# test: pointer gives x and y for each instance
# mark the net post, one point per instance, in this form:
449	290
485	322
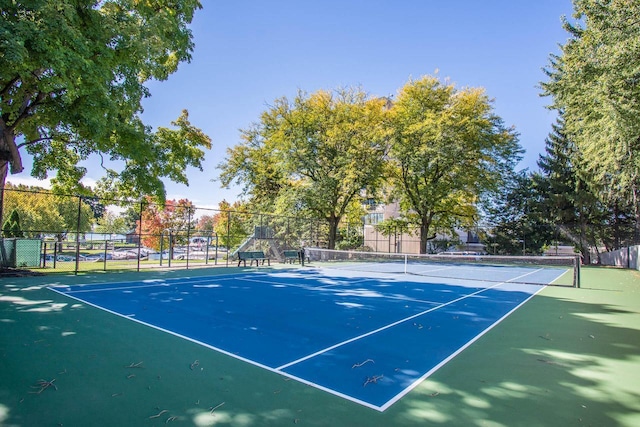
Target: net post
406	261
576	271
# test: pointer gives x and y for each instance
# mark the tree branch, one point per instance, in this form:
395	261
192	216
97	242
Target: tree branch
8	86
34	141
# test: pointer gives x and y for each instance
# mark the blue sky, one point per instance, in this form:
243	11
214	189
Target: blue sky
249	52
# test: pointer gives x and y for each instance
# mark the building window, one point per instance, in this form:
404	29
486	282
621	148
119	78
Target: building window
373	218
370	204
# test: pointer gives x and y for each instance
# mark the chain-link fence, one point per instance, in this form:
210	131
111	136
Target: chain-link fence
77	233
43	230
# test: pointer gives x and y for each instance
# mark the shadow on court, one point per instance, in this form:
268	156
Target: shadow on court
567	357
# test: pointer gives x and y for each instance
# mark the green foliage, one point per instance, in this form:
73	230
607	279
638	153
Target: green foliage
43	212
566	202
436	150
72	77
11	227
111	223
448	149
594	82
231	224
318	152
350	238
516	221
578	213
393	226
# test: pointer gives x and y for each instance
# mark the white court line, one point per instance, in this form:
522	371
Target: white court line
225	352
559	276
452	355
302	380
375	331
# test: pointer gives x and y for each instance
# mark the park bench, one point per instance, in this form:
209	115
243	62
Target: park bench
256	256
291	256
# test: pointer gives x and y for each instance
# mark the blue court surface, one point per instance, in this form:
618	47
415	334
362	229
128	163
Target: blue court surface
364	338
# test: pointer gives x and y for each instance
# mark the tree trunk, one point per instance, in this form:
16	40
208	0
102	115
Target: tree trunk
636	206
4	165
59	242
9	156
584	244
333	231
424	234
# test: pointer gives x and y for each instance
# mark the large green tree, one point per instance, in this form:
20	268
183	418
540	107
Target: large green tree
319	152
11	227
43	212
515	218
111	223
448	149
231	224
72	77
594	81
566	201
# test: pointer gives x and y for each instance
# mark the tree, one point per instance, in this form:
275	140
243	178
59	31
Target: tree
393	227
77	215
11	227
43	212
594	82
207	223
516	223
110	223
448	149
566	201
174	218
96	206
72	77
230	227
320	153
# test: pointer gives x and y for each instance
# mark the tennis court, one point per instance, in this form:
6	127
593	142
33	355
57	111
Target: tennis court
366	337
569	356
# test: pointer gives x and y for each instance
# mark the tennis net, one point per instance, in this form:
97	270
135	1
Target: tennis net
541	270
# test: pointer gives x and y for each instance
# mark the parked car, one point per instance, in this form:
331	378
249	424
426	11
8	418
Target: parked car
97	257
124	254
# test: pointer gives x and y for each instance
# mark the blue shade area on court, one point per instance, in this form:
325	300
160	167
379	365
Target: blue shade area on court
367	339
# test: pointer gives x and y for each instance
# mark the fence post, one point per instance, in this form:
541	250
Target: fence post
140	232
161	245
206	251
215	260
170	246
106	249
188	233
228	236
78	235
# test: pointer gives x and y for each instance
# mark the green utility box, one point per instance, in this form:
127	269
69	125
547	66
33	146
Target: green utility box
17	252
